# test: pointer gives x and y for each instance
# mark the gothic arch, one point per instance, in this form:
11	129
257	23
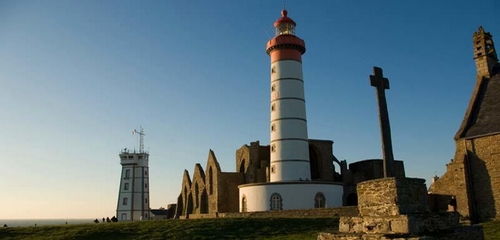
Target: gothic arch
198	187
186	194
212	173
242	166
211	180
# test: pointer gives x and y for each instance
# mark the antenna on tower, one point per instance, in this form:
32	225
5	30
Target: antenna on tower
141	138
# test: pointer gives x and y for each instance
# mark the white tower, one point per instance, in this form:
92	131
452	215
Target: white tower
290	185
133	197
289	141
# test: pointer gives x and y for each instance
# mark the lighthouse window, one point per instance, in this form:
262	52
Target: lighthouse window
244	204
276	202
145	200
125	201
146	185
127	173
285	28
273	107
125	187
273	127
273	70
145	173
273	88
273	148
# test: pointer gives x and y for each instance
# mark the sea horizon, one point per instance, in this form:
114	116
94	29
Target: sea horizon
45	222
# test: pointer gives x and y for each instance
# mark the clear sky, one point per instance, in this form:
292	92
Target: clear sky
76	77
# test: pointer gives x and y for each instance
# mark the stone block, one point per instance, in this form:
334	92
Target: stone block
403	224
392	197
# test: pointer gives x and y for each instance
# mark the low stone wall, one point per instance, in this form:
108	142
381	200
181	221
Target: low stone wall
307	213
461	233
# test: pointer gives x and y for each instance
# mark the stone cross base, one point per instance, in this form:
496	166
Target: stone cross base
392	197
396	208
415	223
460	233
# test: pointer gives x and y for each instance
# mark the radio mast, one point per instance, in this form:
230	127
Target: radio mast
141	138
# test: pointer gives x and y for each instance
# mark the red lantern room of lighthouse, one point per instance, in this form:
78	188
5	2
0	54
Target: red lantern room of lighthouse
290	46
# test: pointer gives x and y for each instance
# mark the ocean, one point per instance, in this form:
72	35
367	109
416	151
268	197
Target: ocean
42	222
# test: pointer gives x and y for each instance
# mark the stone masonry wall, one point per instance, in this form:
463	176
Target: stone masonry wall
307	213
228	192
484	157
392	196
452	183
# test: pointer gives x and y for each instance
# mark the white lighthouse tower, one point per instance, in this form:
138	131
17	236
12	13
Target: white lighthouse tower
289	142
133	197
290	185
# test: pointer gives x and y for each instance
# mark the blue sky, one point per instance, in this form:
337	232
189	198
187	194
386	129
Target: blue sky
77	77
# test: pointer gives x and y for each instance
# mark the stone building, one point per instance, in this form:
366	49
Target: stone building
473	175
214	191
211	191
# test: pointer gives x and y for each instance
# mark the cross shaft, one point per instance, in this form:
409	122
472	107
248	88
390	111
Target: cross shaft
378	81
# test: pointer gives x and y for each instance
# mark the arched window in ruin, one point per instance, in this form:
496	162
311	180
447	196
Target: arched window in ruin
276	202
210	180
196	194
244	204
242	166
204	202
319	200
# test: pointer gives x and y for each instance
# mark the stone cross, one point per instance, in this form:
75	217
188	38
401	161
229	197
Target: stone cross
378	81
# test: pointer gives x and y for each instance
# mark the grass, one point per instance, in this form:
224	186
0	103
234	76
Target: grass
230	228
491	230
235	228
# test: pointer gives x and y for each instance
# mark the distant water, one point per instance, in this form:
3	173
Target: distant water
42	222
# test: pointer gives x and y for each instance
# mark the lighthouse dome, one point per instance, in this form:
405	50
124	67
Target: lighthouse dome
284	19
284	25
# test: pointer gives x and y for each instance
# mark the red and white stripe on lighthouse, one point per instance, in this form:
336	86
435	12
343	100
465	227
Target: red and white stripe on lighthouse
289	141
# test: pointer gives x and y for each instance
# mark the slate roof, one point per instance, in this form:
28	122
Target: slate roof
483	114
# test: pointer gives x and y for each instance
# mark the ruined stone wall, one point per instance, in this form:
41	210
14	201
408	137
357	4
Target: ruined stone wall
211	182
198	191
324	154
306	213
452	183
228	192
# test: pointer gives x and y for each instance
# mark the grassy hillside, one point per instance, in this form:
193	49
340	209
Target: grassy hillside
236	228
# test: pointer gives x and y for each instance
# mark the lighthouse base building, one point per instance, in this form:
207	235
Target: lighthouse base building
289	195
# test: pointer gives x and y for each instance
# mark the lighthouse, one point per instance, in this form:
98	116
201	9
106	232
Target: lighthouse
289	142
133	194
290	185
